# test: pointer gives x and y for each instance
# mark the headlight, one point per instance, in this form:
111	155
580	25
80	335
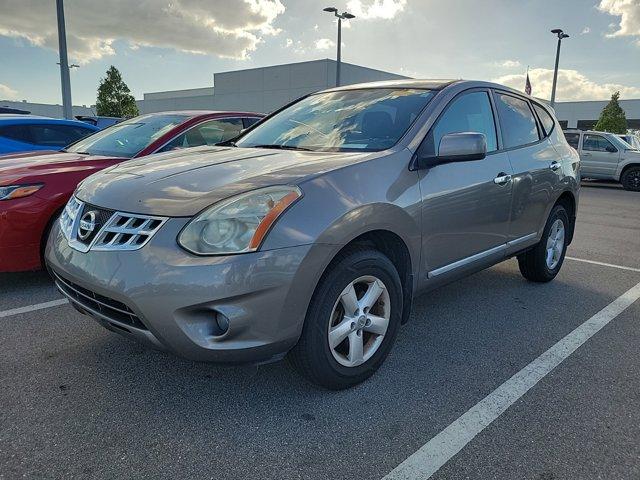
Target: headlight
237	224
17	191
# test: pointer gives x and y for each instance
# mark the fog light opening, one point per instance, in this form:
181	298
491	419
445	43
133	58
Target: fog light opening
222	324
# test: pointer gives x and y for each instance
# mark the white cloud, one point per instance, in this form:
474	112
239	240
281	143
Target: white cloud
572	85
325	44
585	31
197	26
288	42
373	9
629	13
7	93
510	64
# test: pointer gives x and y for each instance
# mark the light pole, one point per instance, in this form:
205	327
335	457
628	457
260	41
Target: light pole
560	35
341	16
64	62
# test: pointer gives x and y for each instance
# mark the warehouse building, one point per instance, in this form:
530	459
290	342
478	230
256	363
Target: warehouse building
262	89
584	115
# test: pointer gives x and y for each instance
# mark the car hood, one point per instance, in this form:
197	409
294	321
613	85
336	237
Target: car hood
23	166
182	183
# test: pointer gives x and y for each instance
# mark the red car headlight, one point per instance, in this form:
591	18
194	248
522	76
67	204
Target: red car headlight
10	192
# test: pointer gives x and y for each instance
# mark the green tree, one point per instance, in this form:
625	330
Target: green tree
114	97
613	118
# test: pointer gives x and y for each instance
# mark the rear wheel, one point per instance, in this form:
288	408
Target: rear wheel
631	179
352	321
543	262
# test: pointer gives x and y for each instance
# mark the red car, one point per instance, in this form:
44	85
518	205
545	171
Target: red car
35	186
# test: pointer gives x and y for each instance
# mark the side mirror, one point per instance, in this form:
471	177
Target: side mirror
455	147
611	149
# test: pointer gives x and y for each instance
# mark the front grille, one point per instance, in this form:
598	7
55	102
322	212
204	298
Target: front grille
93	302
88	227
102	216
127	231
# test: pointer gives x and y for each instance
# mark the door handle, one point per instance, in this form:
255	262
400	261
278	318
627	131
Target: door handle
586	154
555	166
502	179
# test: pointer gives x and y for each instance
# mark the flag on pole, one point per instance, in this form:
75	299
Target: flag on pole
527	84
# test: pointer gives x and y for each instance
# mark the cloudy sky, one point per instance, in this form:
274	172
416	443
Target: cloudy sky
175	44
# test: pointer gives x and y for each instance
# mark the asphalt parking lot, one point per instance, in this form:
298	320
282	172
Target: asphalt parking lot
80	402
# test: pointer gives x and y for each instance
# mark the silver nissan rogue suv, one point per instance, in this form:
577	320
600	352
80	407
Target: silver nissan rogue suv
310	234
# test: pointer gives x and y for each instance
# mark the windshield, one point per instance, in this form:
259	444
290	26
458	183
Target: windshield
128	138
346	120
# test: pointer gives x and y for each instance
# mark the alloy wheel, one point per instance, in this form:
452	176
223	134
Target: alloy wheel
555	244
359	321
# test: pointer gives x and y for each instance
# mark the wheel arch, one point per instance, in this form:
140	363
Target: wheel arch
568	200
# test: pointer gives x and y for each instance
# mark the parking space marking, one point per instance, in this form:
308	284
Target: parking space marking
440	449
603	264
31	308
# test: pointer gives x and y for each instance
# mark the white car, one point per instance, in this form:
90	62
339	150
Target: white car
632	140
605	156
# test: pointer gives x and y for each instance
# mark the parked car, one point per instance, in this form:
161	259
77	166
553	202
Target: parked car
312	232
632	140
99	121
22	133
605	156
34	187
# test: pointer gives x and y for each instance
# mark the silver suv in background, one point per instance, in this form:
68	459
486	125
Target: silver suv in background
310	234
605	156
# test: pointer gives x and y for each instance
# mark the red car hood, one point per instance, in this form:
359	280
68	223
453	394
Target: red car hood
26	166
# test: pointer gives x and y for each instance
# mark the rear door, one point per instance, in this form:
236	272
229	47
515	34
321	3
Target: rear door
535	165
599	157
465	205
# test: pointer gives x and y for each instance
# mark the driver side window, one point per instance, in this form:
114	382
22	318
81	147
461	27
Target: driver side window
597	143
469	113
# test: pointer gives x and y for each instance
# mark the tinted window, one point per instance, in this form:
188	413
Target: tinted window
57	135
468	113
368	119
128	138
545	119
597	143
248	121
572	139
207	133
516	121
19	133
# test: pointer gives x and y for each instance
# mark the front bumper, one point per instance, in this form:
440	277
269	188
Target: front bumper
169	299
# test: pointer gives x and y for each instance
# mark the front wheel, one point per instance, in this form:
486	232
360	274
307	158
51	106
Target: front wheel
542	263
352	321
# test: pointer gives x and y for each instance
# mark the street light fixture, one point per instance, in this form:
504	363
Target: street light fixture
340	16
561	35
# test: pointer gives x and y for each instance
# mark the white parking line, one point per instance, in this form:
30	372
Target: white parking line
602	264
441	448
31	308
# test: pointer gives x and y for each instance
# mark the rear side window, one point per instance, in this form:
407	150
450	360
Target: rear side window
597	143
207	133
545	119
573	139
19	133
248	121
517	122
57	135
468	113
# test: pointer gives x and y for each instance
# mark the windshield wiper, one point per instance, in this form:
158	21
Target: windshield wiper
283	147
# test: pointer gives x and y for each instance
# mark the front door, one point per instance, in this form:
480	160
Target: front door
465	205
599	157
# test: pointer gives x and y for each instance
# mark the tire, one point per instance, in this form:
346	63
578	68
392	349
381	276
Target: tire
534	264
313	356
631	179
